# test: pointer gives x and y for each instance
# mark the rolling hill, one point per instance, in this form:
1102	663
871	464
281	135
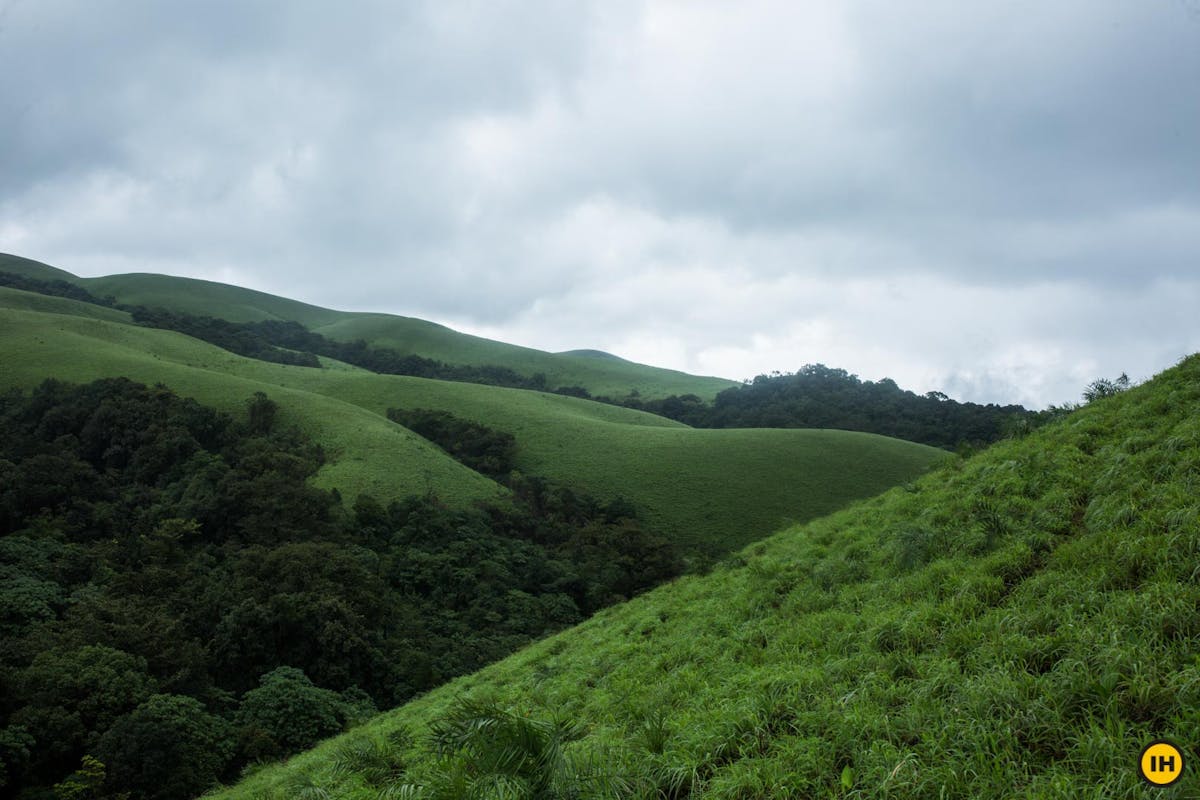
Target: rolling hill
601	376
709	490
1020	623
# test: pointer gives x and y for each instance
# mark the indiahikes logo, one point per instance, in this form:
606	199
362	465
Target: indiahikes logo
1161	763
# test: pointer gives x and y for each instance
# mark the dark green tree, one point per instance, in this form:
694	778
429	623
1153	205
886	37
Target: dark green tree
262	410
71	696
287	713
168	748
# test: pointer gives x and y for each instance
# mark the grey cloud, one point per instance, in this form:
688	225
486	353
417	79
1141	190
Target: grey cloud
492	162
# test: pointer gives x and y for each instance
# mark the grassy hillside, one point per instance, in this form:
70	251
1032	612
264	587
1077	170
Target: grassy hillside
1021	623
206	298
35	269
611	376
368	453
601	376
713	490
31	301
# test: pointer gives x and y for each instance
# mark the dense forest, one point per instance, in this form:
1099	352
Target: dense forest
818	396
177	601
483	449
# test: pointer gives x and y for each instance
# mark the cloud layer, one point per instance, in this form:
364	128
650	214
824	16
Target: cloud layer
998	200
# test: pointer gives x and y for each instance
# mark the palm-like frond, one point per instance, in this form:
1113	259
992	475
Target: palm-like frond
490	752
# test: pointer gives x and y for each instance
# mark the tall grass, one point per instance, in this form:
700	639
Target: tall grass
1017	624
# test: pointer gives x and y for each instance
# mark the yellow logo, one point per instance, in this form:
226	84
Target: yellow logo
1161	763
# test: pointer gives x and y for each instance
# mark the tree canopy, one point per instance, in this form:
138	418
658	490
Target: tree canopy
173	590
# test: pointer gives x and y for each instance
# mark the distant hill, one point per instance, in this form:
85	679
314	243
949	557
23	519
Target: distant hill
591	354
1022	622
710	491
613	376
817	396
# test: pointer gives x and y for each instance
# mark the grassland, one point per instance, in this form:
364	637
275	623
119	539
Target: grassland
709	490
367	452
30	301
1017	624
612	376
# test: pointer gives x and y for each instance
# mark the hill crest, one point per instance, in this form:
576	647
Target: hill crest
613	376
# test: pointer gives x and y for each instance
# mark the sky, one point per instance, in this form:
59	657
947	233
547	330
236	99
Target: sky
999	200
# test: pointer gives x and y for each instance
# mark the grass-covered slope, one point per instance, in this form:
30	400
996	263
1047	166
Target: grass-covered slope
30	301
367	453
614	377
206	298
711	490
1019	624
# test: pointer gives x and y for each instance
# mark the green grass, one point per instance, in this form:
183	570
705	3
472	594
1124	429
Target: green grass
206	298
30	301
709	490
712	489
368	453
1018	624
610	376
35	269
601	376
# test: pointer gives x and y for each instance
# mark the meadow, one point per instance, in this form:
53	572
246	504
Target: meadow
599	375
709	490
1017	623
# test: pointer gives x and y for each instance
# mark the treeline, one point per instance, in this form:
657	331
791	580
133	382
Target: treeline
236	337
54	288
483	449
818	396
177	600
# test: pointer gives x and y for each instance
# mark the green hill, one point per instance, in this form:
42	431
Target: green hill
1020	623
710	490
29	301
368	453
591	354
611	376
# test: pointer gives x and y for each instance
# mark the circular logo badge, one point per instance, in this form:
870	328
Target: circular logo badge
1161	763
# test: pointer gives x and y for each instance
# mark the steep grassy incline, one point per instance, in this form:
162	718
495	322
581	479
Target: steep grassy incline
712	490
613	376
1021	623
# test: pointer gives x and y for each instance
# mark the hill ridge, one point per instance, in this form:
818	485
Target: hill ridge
408	335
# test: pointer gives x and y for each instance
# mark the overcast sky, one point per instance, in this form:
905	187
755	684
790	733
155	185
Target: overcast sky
999	200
